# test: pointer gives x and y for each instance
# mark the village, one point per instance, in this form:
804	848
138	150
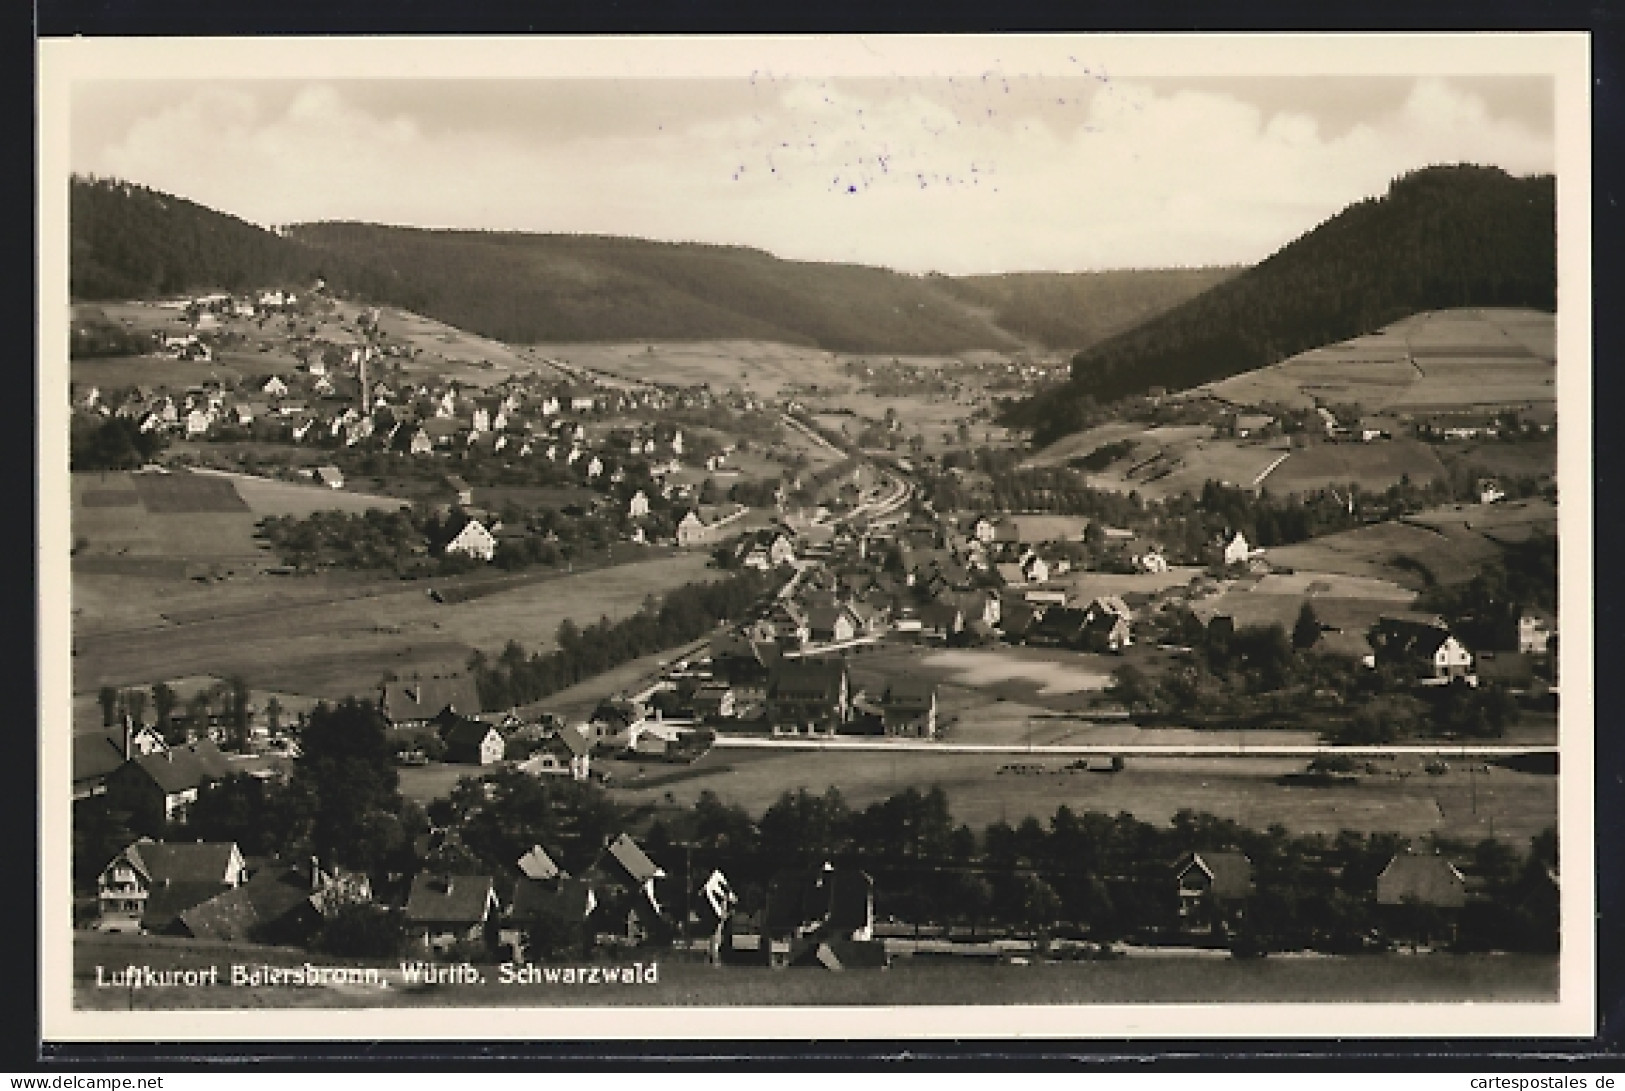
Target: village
889	604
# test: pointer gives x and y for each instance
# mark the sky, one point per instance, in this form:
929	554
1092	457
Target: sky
980	172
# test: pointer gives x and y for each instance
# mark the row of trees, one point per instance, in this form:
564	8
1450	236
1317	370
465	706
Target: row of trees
1108	877
225	704
684	614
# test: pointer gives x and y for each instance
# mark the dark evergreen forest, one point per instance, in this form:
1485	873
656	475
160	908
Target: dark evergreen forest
1459	236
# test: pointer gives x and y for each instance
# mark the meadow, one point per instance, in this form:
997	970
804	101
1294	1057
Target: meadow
1371	466
336	648
203	517
1397	551
1179	459
1430	361
1506	804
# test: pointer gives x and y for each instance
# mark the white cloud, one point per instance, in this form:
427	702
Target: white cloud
968	177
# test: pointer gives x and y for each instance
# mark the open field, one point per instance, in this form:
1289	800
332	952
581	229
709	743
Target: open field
1511	805
1525	458
1372	466
979	669
1451	543
1083	586
1349	603
336	648
1391	551
1082	443
1509	521
1179	459
1047	679
1392	978
117	372
202	517
763	368
451	352
266	496
1433	360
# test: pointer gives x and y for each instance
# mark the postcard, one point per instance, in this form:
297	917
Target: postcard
1042	536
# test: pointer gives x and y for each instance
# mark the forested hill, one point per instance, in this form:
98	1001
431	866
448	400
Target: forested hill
1460	236
1076	310
132	242
529	288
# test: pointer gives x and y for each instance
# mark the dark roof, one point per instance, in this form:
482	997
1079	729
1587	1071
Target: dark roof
567	899
823	618
1231	872
618	712
95	756
910	692
807	679
182	862
181	768
449	899
1104	622
166	902
1405	639
825	899
239	914
943	615
1061	621
426	698
1431	880
470	733
1513	667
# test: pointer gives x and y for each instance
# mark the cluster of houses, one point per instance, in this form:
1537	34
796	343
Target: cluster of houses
1214	888
822	916
211	891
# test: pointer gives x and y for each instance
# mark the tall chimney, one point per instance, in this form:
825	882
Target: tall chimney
365	405
129	737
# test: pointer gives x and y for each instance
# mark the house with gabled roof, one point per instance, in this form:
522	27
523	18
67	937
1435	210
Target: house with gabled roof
473	742
474	540
414	702
150	883
95	757
1422	879
823	916
158	788
831	624
908	707
692	531
1107	625
277	904
1428	650
558	904
811	696
1213	887
567	753
634	894
444	910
